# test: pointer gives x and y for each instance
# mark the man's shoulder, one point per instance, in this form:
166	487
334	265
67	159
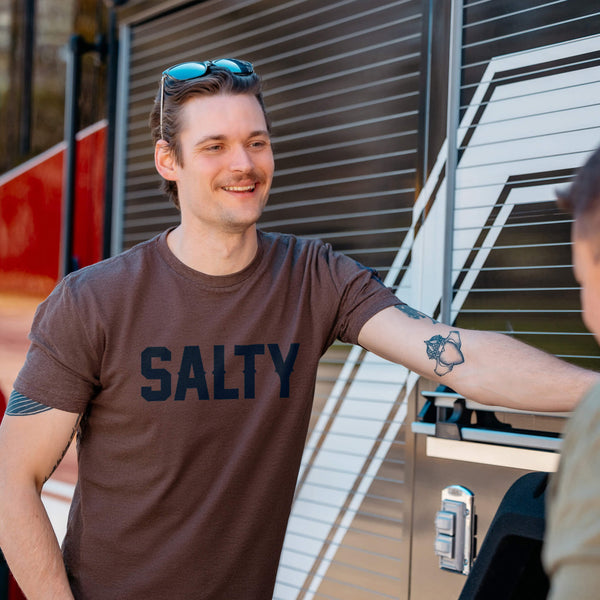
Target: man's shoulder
587	413
288	239
582	430
290	243
126	265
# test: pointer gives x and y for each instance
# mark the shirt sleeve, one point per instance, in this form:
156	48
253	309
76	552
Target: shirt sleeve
572	549
61	369
362	294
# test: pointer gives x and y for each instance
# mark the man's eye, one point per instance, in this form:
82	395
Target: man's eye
259	144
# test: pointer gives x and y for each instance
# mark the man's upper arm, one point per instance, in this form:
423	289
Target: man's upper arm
34	439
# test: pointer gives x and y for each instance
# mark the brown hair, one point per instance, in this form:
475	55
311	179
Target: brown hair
177	93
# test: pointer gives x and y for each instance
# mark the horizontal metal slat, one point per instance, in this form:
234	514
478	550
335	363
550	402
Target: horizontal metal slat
497	17
530	30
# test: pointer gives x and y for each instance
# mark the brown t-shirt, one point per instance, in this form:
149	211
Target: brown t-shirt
197	392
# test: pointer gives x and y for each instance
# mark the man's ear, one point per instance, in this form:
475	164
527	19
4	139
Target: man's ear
165	161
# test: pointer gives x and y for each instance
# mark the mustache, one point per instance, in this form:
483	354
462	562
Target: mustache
251	175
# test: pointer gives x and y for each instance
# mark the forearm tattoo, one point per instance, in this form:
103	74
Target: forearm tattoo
19	405
411	312
445	351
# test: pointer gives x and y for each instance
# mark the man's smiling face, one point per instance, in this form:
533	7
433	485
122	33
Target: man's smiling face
227	162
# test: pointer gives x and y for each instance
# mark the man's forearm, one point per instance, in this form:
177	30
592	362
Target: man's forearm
487	367
30	546
500	370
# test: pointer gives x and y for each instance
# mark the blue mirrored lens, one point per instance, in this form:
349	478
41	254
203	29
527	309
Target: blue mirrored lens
188	70
233	65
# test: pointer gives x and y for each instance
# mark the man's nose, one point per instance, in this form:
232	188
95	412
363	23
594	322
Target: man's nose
241	159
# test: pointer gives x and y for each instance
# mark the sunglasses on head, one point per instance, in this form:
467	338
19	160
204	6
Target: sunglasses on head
195	70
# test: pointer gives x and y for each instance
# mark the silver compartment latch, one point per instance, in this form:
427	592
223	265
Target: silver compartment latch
455	529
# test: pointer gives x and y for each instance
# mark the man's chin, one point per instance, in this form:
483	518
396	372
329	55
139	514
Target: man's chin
240	226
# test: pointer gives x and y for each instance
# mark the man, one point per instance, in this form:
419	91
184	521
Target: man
187	368
572	548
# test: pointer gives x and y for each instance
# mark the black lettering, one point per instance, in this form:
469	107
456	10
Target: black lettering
221	392
191	362
249	352
164	354
283	367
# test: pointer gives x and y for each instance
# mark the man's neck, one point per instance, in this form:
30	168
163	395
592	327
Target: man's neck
214	253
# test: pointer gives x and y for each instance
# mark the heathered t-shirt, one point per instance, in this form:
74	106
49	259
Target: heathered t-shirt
197	392
571	552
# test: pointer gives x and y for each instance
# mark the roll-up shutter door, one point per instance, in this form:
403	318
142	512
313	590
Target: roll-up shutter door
530	106
342	87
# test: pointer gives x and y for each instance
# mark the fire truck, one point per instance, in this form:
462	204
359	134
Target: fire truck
425	139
